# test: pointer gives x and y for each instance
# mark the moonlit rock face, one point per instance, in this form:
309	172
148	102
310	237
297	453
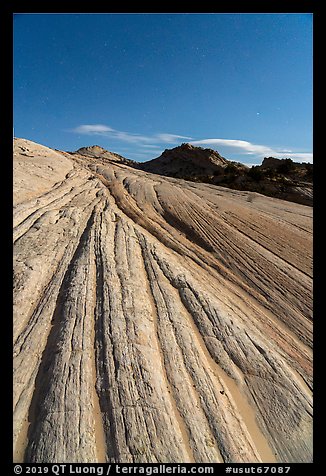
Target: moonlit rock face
186	160
99	153
92	150
157	320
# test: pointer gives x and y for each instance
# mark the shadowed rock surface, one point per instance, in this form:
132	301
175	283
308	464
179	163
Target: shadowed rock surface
157	320
186	160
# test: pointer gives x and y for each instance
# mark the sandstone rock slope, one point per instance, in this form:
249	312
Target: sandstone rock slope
157	320
98	153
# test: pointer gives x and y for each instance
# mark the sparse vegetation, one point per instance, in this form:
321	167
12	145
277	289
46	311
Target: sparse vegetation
250	197
217	173
255	173
270	173
309	171
230	169
286	166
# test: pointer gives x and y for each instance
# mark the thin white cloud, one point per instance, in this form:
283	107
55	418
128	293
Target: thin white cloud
151	146
170	138
103	130
301	156
92	129
241	145
128	137
248	148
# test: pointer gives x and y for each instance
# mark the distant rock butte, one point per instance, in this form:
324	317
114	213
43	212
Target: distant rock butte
157	320
97	152
187	160
93	151
274	163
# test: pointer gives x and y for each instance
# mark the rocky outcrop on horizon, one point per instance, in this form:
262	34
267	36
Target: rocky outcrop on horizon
274	163
99	153
187	161
156	319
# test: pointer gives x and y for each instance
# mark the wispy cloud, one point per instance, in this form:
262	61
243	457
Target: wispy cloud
92	129
107	131
301	156
151	146
170	138
259	150
241	145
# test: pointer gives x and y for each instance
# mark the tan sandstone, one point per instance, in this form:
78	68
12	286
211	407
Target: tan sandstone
157	320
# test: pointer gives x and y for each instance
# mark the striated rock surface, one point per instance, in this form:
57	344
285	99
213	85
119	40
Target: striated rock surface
157	320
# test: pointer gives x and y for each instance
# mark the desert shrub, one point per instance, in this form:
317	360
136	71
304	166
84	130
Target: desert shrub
270	173
250	197
255	173
230	169
228	179
309	170
286	166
